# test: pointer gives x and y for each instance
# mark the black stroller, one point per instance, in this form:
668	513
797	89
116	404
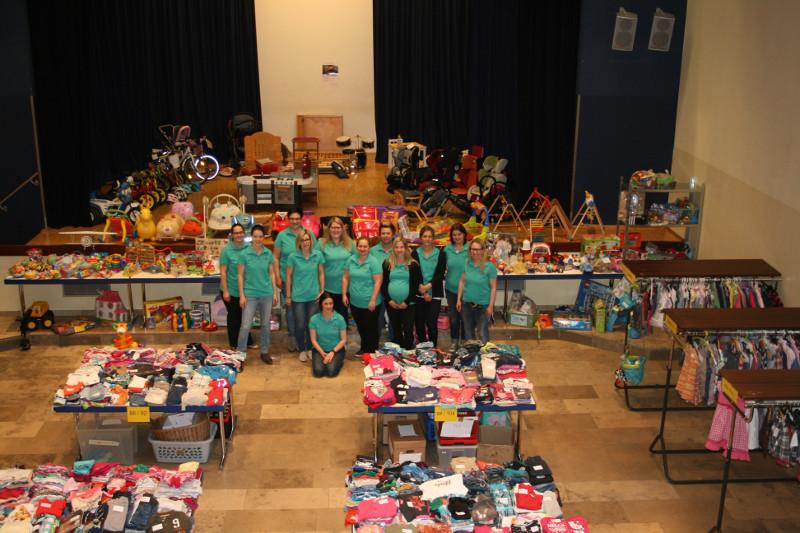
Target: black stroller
240	126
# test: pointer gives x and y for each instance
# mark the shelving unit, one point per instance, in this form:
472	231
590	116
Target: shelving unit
633	212
684	323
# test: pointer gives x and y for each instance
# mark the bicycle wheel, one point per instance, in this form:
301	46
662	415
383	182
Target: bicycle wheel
207	167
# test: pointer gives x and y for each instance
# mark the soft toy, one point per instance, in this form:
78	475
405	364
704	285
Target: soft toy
145	227
184	209
221	216
169	227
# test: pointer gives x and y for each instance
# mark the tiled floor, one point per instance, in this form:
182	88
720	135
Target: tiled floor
296	436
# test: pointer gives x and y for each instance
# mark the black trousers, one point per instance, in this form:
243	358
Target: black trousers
427	318
367	323
235	321
338	305
403	325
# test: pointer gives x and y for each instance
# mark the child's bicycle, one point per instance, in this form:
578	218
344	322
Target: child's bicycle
188	155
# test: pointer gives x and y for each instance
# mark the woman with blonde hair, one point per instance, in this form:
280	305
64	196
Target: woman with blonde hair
337	248
401	280
305	277
477	291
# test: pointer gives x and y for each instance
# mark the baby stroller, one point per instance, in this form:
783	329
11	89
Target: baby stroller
239	127
444	164
404	174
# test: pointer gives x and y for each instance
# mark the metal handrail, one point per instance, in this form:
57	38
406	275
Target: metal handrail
32	179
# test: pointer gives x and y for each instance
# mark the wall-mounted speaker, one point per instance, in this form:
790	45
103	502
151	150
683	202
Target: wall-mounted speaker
624	31
661	32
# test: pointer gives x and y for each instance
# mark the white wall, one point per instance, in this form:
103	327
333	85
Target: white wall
294	40
738	129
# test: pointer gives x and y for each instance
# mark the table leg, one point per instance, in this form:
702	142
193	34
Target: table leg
130	302
375	436
505	301
516	438
724	489
144	310
21	301
222	439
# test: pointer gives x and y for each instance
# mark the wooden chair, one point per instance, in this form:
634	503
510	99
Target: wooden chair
262	145
400	199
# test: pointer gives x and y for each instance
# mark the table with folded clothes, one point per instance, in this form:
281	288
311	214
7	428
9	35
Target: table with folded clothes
193	378
99	497
477	377
469	496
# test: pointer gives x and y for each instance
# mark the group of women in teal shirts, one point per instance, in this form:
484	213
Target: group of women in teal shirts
319	280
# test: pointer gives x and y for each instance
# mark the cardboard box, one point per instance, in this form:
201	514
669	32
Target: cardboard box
391	417
600	315
161	310
634	239
521	319
568	320
407	442
495	444
600	245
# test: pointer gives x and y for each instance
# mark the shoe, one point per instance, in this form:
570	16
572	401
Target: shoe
266	358
304	357
251	345
292	345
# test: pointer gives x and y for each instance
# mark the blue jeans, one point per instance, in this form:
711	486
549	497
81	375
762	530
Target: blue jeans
382	322
264	305
303	311
289	316
475	318
456	324
320	369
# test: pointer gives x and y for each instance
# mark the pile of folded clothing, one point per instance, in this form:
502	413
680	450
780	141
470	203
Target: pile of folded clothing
193	375
469	496
476	374
108	497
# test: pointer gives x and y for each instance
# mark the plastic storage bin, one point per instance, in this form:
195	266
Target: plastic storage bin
181	452
106	438
446	452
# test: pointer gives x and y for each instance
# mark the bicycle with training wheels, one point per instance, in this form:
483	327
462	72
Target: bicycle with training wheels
187	155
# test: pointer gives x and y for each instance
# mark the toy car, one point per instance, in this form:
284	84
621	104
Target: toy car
38	315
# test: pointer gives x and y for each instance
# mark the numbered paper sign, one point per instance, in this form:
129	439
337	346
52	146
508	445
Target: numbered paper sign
139	414
445	415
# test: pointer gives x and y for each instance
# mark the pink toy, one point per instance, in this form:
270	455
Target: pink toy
184	209
311	223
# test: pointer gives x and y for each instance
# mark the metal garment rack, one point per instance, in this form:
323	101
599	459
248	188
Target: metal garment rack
693	322
750	389
701	270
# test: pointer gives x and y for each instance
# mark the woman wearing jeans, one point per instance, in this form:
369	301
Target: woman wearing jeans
329	337
477	291
361	289
229	284
456	252
401	280
432	263
257	290
305	278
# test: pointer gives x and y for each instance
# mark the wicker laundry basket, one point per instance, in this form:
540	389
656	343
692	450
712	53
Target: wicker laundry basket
196	432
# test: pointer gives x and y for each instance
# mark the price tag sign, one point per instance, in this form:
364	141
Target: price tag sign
730	391
445	415
627	273
138	414
670	324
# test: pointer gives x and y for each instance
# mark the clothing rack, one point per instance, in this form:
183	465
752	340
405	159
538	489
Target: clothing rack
644	271
690	322
755	388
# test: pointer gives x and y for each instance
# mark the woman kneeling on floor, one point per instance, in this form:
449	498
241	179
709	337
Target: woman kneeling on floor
328	330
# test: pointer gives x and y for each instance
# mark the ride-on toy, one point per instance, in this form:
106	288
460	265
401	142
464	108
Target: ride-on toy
38	315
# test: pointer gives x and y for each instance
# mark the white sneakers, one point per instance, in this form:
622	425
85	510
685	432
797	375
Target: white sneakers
304	356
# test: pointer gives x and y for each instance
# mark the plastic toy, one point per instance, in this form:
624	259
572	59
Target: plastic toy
193	228
311	223
169	227
209	326
184	209
145	227
124	339
119	222
180	320
38	315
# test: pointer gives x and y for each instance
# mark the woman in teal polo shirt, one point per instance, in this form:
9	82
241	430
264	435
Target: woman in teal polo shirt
456	252
257	290
361	289
329	337
380	252
401	280
305	277
337	247
432	263
229	284
477	291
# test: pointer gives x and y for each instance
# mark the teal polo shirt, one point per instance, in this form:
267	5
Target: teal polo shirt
305	277
328	331
336	257
230	258
378	253
476	284
256	272
286	241
455	266
428	264
361	281
399	284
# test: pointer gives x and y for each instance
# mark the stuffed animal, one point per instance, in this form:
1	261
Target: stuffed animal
145	227
184	209
169	227
192	227
221	216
